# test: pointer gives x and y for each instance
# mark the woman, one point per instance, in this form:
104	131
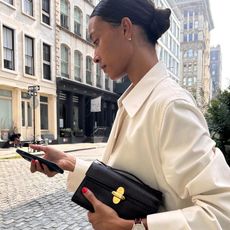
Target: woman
158	135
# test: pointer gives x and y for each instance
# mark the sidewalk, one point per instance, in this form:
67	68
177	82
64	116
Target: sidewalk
11	152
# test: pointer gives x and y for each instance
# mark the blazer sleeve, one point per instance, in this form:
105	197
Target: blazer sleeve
194	169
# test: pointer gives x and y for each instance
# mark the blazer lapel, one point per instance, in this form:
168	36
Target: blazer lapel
113	135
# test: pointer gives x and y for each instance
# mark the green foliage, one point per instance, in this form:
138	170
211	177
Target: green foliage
218	118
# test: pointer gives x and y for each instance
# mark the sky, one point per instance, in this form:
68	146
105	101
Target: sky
220	10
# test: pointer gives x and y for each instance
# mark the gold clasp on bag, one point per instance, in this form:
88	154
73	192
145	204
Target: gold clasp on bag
118	195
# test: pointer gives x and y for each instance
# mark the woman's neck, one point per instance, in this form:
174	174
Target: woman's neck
142	61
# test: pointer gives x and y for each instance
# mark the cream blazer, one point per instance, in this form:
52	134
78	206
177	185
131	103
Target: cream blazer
160	136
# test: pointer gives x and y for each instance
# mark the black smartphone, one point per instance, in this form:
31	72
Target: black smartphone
29	157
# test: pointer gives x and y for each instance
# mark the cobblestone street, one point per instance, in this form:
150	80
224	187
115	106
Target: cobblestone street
34	201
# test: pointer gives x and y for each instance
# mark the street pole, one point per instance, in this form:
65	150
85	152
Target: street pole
32	91
34	118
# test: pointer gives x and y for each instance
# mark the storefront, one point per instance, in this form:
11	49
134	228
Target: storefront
76	120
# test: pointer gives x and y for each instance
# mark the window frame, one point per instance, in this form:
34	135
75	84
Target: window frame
87	37
29	56
46	119
11	49
46	62
89	70
64	16
6	95
98	76
29	12
45	13
9	3
78	66
65	62
78	21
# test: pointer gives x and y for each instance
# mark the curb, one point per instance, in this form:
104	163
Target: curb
16	155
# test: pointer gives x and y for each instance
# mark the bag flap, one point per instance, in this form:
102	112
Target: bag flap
107	177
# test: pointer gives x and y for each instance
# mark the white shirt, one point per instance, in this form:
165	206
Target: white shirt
160	136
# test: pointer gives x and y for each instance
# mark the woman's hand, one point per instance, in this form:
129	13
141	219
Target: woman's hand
104	217
63	160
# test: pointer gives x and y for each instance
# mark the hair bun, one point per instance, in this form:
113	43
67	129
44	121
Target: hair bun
160	22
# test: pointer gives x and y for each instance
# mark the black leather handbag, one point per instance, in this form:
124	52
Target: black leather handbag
120	190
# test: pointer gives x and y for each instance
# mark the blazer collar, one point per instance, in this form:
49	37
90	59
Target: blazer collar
134	97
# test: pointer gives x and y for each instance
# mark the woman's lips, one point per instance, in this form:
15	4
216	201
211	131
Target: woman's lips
103	67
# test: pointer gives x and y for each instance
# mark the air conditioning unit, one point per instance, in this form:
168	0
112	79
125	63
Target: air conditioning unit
28	70
8	64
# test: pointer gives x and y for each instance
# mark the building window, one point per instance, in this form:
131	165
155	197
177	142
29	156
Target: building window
194	79
195	67
77	21
8	48
6	109
46	62
185	38
89	67
190	81
64	14
28	7
26	109
9	2
99	76
196	23
87	31
46	11
29	55
190	37
64	61
196	37
107	82
184	81
26	114
77	65
44	112
190	53
185	68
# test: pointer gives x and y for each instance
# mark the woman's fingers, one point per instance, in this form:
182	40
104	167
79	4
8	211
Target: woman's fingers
33	166
36	166
90	197
38	147
47	171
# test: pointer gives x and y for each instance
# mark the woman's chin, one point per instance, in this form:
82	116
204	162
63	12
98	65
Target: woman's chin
116	77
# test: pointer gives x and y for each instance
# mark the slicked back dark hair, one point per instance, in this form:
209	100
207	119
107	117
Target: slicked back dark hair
143	13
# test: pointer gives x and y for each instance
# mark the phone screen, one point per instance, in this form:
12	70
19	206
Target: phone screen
29	157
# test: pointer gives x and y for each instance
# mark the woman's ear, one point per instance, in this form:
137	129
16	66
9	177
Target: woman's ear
127	27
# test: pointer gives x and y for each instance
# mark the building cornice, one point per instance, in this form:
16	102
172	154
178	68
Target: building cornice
74	35
206	5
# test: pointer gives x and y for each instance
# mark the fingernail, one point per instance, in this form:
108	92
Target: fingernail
84	190
33	161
